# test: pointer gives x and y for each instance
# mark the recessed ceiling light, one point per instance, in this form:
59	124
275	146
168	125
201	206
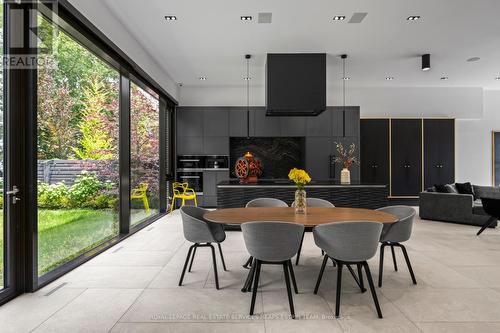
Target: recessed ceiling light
389	78
247	78
202	78
246	18
346	78
444	78
339	18
171	18
413	18
473	59
497	78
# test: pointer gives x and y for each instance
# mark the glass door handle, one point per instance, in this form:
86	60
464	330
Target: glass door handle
13	192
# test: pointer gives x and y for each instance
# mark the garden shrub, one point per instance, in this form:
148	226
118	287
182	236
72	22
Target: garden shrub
88	191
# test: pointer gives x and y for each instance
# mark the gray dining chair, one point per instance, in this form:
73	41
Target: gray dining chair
263	202
266	202
312	202
348	243
202	233
395	234
272	243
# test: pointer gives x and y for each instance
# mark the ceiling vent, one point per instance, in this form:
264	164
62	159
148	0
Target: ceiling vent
357	17
265	17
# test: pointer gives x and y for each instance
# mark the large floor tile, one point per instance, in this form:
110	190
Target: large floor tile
329	325
95	310
111	276
459	327
487	276
192	305
358	314
188	327
447	304
307	305
30	310
132	258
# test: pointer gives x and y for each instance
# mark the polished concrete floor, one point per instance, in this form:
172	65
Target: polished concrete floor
133	288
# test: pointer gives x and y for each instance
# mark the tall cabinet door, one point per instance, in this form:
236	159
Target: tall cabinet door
406	151
374	149
439	151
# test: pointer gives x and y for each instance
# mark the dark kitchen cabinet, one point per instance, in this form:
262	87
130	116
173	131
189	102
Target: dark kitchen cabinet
189	145
190	122
406	152
439	151
320	125
265	126
293	126
216	121
318	151
238	122
345	121
210	180
374	149
216	145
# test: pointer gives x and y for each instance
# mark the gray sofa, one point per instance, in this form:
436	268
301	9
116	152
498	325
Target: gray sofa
455	207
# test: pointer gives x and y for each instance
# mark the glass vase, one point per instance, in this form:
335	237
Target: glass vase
300	203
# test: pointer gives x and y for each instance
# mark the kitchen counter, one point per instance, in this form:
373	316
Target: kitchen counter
231	193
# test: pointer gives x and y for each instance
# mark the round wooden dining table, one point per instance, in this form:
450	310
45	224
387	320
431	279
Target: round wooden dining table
313	217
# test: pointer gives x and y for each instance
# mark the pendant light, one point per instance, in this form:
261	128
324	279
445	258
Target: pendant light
344	79
247	78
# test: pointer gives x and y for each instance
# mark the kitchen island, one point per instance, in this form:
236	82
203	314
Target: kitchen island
232	193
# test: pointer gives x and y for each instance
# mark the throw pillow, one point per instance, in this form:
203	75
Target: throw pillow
441	188
464	188
451	188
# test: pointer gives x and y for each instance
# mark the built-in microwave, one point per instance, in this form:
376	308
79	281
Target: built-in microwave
190	162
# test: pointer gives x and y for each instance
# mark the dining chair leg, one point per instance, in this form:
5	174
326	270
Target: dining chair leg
300	248
292	275
394	258
381	264
358	282
372	288
361	282
407	259
186	264
248	262
257	265
248	283
215	267
222	257
339	289
288	289
486	225
320	276
192	257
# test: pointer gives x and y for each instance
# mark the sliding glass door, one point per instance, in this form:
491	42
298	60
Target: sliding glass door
77	149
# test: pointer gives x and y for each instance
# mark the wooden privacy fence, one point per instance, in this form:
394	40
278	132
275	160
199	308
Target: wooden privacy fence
56	171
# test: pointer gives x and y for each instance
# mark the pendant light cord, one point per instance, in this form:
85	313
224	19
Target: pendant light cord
248	96
344	78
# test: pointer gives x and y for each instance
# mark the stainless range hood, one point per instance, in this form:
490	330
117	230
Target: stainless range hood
295	84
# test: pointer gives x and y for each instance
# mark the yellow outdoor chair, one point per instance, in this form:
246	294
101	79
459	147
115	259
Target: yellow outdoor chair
141	193
183	192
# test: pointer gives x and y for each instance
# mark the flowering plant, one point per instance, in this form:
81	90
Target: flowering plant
346	157
299	177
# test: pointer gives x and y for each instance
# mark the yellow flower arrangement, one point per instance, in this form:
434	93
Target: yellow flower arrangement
299	177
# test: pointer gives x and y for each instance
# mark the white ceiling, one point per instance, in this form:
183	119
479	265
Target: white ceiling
210	40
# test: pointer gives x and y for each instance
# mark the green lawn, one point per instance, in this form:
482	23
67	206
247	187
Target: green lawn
67	233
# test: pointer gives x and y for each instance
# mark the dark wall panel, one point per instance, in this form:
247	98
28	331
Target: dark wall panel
439	151
374	148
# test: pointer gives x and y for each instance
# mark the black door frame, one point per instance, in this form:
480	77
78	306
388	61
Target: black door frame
20	132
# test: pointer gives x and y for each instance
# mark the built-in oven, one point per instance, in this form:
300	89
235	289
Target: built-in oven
193	178
190	162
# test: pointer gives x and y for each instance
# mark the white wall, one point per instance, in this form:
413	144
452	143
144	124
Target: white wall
98	13
473	142
477	113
